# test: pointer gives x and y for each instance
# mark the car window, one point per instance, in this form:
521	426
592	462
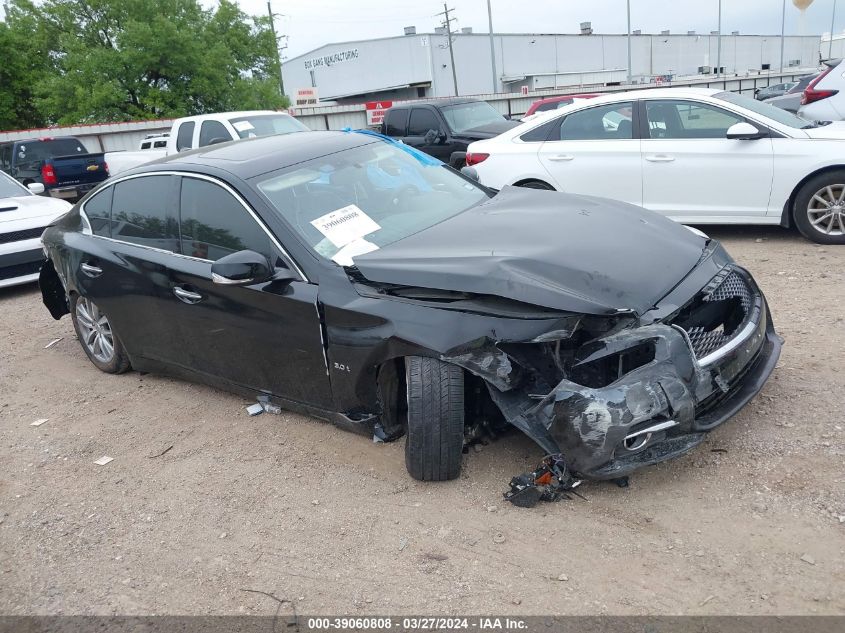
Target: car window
98	211
545	107
159	144
213	223
142	213
360	199
11	188
422	120
468	116
765	109
608	122
688	119
396	122
213	130
185	136
266	125
145	145
29	152
542	133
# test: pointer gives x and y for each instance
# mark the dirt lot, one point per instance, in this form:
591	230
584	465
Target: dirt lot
751	522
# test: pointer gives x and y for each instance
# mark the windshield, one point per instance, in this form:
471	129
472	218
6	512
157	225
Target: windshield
10	188
468	116
361	199
765	109
266	125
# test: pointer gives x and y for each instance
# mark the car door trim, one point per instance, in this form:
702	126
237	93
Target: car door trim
87	228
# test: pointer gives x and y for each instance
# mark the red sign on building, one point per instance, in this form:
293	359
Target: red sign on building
376	110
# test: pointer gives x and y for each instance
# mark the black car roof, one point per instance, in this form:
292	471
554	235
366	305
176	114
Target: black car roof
246	158
436	102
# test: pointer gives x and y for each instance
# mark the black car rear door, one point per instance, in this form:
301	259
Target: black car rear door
126	274
266	336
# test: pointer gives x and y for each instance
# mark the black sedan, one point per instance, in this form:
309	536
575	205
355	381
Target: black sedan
353	278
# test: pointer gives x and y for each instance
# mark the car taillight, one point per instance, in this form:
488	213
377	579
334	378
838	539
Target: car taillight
811	95
106	167
48	175
475	158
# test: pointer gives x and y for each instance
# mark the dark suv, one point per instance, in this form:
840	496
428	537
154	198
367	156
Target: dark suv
445	127
62	164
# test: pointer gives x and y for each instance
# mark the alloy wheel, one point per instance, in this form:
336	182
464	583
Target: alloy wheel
826	210
95	329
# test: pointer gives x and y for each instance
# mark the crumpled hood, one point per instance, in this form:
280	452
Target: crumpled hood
560	251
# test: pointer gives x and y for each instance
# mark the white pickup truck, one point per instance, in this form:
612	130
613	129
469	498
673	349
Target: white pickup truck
207	129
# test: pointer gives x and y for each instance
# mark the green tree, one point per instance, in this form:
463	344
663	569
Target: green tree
121	60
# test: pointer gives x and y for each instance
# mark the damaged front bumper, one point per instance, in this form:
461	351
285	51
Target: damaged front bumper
659	410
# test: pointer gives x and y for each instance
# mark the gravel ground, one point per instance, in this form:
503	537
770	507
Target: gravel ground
751	522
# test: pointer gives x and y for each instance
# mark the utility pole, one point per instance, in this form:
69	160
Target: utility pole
492	48
782	35
629	42
832	21
719	44
276	48
447	23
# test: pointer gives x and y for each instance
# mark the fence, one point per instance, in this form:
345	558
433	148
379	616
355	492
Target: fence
109	137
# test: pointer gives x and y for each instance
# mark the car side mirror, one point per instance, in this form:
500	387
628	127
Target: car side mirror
471	173
35	187
431	137
744	132
241	269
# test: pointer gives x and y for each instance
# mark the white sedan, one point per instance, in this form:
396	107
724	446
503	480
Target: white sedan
23	218
699	156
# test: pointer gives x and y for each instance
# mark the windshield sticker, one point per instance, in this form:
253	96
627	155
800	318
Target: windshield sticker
345	225
344	256
243	126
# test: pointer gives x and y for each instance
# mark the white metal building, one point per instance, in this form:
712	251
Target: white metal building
418	65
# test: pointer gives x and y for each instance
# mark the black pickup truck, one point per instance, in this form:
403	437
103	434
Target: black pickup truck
444	127
62	164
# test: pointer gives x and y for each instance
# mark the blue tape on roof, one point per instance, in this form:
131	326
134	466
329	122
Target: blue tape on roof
422	157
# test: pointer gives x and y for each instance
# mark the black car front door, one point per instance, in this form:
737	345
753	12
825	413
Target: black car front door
428	133
266	336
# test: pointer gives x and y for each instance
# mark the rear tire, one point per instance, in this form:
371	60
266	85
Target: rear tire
819	209
99	342
435	439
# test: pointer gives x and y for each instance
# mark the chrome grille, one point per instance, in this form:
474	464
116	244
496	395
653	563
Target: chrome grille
17	236
733	285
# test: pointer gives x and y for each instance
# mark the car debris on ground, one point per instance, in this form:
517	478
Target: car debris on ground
551	481
39	422
53	342
105	459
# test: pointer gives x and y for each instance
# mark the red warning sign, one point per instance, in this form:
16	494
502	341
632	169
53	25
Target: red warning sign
376	110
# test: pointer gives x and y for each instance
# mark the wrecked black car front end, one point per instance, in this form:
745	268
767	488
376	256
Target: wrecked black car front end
643	343
650	391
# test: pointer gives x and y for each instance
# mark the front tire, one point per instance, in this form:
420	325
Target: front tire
819	209
435	439
95	334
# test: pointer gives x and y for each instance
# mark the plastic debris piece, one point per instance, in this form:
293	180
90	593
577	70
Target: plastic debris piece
551	481
53	342
160	453
255	409
105	459
39	422
269	407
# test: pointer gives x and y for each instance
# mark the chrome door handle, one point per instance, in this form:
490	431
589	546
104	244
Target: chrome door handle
186	295
659	158
561	157
91	271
